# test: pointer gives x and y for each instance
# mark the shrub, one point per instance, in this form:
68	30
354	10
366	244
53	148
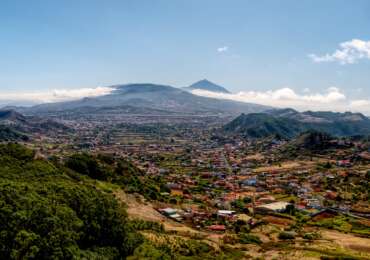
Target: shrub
249	239
87	165
311	236
287	235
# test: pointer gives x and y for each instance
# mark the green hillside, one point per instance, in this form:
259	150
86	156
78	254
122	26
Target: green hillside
260	125
288	123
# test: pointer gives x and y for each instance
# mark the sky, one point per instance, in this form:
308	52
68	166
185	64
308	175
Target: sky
307	54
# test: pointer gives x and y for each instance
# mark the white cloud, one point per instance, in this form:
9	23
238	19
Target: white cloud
223	49
361	103
331	99
56	95
348	53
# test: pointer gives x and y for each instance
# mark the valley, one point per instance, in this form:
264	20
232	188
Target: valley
218	185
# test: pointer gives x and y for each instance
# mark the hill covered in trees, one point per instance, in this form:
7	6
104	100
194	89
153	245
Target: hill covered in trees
49	212
288	123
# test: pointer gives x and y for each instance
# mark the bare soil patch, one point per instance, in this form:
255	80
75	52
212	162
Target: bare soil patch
348	241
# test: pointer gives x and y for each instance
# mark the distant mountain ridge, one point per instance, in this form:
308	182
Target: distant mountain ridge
13	122
288	123
208	86
153	96
11	115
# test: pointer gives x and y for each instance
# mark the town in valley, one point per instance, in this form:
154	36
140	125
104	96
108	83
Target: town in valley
215	177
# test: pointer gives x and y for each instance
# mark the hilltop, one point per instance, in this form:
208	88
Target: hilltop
207	85
288	123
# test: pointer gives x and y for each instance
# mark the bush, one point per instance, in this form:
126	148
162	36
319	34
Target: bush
249	239
311	236
140	225
287	235
87	165
247	200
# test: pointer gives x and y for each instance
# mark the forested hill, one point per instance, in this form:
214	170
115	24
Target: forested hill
48	212
288	123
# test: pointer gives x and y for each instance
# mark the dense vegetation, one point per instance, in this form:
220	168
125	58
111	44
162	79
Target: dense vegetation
116	171
261	125
47	212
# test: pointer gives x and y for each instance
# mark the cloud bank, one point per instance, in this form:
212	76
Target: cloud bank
349	52
331	99
56	95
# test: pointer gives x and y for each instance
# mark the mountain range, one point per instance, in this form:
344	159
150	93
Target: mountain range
152	96
153	99
289	123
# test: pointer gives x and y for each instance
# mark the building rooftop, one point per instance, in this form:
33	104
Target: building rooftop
276	206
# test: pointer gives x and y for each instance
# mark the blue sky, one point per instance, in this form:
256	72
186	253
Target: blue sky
259	46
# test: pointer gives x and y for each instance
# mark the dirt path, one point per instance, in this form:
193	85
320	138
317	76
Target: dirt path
138	208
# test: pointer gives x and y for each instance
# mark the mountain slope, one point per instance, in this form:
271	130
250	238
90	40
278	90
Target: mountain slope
206	85
260	125
8	134
289	123
14	121
154	97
